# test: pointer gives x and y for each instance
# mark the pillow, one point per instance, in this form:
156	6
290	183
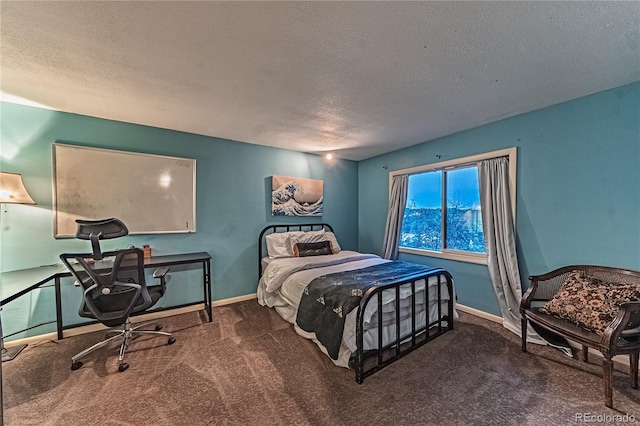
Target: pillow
306	237
312	249
278	244
589	302
314	237
334	242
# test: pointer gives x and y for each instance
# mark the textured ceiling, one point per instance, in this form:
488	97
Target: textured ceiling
356	78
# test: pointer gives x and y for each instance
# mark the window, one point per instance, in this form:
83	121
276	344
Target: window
460	221
422	222
443	215
464	218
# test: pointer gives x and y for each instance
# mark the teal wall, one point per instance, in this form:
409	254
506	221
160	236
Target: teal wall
233	199
578	187
578	195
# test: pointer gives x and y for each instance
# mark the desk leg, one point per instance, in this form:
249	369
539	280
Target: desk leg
206	271
58	308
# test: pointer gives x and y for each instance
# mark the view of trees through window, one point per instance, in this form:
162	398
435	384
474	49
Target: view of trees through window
423	226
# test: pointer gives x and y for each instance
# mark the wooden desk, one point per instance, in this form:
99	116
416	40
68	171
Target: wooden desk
14	284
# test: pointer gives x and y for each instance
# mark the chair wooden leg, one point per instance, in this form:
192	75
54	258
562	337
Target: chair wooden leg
524	334
607	365
633	362
585	353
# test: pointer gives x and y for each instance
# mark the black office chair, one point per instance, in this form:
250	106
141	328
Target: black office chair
114	286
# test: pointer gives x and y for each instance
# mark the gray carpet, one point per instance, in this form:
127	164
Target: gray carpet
249	367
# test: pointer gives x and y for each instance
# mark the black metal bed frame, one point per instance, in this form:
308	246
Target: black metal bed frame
365	363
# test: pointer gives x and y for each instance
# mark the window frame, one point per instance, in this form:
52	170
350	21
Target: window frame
458	255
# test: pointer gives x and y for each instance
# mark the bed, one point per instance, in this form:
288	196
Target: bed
338	298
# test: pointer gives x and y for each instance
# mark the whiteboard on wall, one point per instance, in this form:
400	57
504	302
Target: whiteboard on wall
151	194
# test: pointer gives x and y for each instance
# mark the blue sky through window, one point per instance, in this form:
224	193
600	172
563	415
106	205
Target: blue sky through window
424	188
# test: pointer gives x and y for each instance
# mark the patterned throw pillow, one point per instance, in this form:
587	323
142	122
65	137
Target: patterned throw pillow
589	302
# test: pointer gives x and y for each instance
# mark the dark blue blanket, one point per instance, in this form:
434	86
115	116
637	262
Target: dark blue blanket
328	299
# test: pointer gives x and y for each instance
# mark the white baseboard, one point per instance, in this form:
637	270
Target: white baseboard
141	318
236	299
479	313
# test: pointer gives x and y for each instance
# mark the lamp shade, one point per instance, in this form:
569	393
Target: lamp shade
12	189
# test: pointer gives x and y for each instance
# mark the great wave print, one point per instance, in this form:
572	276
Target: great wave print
296	197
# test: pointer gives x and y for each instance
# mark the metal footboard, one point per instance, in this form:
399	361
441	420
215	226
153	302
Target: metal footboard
370	361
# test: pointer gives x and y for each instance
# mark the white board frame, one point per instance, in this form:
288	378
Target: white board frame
133	191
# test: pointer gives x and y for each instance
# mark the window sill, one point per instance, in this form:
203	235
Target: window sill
480	259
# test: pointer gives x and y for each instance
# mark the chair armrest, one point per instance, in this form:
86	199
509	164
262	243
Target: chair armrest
543	287
626	324
632	326
160	272
527	297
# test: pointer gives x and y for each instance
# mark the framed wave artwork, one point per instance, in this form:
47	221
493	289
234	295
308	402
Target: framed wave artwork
296	196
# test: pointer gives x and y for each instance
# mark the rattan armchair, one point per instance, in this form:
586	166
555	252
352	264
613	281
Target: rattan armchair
620	337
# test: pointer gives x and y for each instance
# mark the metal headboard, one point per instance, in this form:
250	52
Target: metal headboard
272	229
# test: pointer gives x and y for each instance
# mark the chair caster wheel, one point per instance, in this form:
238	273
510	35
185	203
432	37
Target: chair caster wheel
76	365
171	340
158	327
122	367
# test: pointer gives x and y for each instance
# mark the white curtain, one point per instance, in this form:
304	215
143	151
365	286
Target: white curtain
499	238
500	246
397	203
